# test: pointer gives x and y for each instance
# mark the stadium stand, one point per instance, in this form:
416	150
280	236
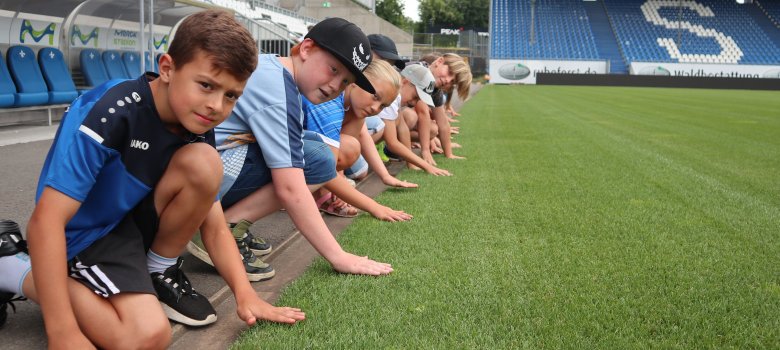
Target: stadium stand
30	86
132	63
92	67
114	66
7	86
772	10
550	29
57	76
702	31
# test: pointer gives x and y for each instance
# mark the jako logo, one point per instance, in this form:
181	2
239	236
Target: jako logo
163	41
84	38
139	144
514	71
36	35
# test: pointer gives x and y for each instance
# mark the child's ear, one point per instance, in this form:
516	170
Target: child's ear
166	67
306	48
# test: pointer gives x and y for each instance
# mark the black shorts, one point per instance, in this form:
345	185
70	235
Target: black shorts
116	263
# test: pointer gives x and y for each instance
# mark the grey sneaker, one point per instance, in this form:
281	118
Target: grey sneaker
256	269
256	244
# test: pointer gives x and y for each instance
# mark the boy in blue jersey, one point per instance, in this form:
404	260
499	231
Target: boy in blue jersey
267	164
130	177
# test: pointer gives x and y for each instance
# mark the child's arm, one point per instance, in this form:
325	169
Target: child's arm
347	193
444	132
222	249
398	148
46	238
291	189
424	131
369	152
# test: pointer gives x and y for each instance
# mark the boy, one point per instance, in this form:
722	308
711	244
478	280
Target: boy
267	164
450	72
130	176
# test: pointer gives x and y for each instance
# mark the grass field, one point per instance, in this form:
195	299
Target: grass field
584	217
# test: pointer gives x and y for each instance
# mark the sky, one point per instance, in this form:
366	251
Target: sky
410	9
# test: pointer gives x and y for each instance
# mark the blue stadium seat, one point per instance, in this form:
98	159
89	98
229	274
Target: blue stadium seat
7	86
93	68
132	62
57	76
30	86
114	67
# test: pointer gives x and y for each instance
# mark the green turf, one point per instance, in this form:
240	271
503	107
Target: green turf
612	218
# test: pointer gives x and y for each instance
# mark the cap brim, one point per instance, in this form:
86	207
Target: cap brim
399	62
424	96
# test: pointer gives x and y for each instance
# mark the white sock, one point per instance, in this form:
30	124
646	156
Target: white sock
156	263
13	269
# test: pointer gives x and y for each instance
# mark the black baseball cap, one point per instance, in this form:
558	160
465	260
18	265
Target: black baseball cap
344	40
385	47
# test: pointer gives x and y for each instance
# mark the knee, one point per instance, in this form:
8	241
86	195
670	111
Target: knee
159	338
434	130
200	166
410	117
349	151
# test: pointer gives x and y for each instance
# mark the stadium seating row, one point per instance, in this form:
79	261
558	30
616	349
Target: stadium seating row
26	81
100	67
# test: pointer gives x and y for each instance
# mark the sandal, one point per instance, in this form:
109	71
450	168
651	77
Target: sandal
332	205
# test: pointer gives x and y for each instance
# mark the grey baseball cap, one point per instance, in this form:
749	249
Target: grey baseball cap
423	80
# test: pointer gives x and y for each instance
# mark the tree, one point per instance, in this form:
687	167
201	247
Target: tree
393	12
454	14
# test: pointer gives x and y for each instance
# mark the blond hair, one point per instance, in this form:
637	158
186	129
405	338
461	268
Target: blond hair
380	70
459	68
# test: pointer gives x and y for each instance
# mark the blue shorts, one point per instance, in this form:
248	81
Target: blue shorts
374	124
358	169
320	168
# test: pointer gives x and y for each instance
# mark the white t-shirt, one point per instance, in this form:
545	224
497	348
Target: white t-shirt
391	112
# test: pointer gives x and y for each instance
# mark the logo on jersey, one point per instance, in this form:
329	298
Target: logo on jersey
139	144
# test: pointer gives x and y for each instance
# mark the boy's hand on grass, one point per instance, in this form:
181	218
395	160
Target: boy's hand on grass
438	172
392	181
452	156
258	309
389	214
427	157
360	265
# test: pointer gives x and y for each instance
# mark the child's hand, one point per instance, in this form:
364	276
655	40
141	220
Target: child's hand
360	265
389	214
452	156
392	181
256	309
438	172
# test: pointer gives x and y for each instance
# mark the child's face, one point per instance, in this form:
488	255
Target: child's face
321	77
441	72
199	96
364	104
409	96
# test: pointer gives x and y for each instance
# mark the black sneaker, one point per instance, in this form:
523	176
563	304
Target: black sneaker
179	300
11	241
241	231
5	300
390	155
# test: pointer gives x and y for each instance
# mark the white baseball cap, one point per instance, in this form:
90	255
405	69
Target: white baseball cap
423	80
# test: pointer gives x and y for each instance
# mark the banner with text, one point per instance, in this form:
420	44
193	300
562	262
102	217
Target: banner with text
705	70
524	71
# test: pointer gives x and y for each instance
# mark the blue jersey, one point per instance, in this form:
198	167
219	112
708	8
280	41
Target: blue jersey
110	151
325	119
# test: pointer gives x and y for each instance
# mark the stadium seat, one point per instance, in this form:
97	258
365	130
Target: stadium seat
7	86
113	61
30	86
132	62
57	76
93	68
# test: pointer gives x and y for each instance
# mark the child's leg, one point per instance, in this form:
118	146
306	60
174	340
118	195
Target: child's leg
349	151
184	195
